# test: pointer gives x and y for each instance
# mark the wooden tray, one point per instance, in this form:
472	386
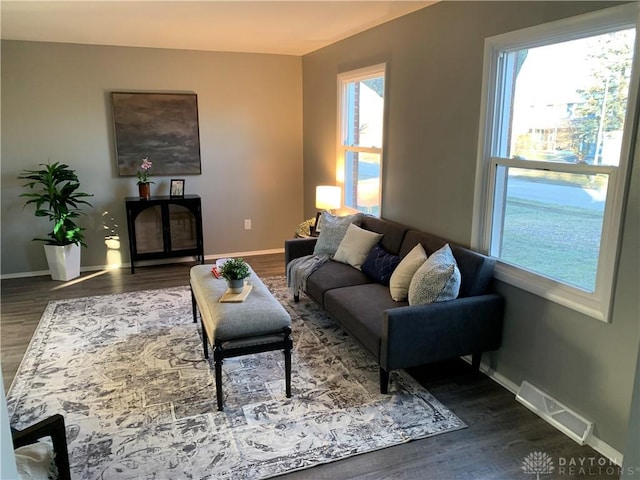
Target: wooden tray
229	297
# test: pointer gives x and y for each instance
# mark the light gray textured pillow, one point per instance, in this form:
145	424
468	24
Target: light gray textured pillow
437	280
333	231
356	245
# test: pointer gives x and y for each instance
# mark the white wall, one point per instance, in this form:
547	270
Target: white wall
56	106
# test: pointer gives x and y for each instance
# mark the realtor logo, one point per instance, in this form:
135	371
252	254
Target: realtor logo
537	463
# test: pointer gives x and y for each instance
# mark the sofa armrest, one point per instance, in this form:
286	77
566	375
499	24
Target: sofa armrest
298	247
416	335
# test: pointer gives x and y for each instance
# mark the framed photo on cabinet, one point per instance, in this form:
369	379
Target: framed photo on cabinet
177	188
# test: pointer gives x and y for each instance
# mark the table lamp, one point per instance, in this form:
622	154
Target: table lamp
328	197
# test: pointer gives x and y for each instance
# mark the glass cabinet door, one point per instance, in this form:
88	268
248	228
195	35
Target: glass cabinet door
148	227
182	228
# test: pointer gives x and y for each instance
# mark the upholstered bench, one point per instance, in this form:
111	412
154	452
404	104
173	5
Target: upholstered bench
259	324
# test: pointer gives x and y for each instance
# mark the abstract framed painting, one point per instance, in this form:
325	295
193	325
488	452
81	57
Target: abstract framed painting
162	127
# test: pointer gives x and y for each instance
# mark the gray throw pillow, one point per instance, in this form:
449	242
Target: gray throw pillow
333	230
437	280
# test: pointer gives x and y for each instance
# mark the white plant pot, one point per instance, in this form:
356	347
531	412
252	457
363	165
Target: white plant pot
63	260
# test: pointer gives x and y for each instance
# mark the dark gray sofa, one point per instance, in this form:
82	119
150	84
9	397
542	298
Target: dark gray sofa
399	335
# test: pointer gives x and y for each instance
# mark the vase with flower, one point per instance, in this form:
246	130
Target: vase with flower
144	184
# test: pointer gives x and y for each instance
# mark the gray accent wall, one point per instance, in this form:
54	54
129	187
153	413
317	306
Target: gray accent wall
56	106
434	75
631	465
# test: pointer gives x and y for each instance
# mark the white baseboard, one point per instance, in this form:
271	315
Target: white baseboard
244	254
37	273
605	450
594	442
162	261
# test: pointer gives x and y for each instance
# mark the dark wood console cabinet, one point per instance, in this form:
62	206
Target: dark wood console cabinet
164	227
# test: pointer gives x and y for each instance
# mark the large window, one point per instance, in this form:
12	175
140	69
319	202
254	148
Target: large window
554	154
360	124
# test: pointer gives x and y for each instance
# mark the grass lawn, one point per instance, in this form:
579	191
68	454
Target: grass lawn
556	241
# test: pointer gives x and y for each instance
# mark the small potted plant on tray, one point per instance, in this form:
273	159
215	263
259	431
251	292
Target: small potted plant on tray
235	270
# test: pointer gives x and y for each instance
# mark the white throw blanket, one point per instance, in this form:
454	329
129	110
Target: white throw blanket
299	269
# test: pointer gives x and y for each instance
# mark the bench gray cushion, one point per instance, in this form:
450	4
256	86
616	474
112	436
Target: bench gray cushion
259	314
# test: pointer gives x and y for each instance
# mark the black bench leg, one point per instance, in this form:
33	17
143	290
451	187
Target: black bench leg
475	360
205	342
194	306
218	356
384	381
288	345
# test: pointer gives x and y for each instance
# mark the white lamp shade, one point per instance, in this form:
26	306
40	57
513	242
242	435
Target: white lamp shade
328	197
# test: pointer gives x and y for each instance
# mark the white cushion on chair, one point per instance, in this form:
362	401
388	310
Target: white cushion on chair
35	461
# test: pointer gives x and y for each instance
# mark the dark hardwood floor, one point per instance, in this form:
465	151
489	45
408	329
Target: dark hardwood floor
500	433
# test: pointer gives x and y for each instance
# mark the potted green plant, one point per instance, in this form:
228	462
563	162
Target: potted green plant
235	270
53	190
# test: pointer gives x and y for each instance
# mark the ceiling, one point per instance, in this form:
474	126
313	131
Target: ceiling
276	27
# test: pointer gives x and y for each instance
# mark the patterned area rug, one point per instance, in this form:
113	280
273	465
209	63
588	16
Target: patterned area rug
127	372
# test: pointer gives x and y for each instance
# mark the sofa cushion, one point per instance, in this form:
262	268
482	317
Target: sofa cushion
402	275
356	245
333	230
393	233
475	268
333	275
359	310
437	279
380	264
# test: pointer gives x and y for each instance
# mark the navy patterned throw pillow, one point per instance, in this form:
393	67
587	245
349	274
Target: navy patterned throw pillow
380	264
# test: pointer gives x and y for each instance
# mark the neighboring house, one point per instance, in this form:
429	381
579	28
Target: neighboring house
268	128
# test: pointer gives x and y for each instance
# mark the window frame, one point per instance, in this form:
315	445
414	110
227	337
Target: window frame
343	79
597	304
